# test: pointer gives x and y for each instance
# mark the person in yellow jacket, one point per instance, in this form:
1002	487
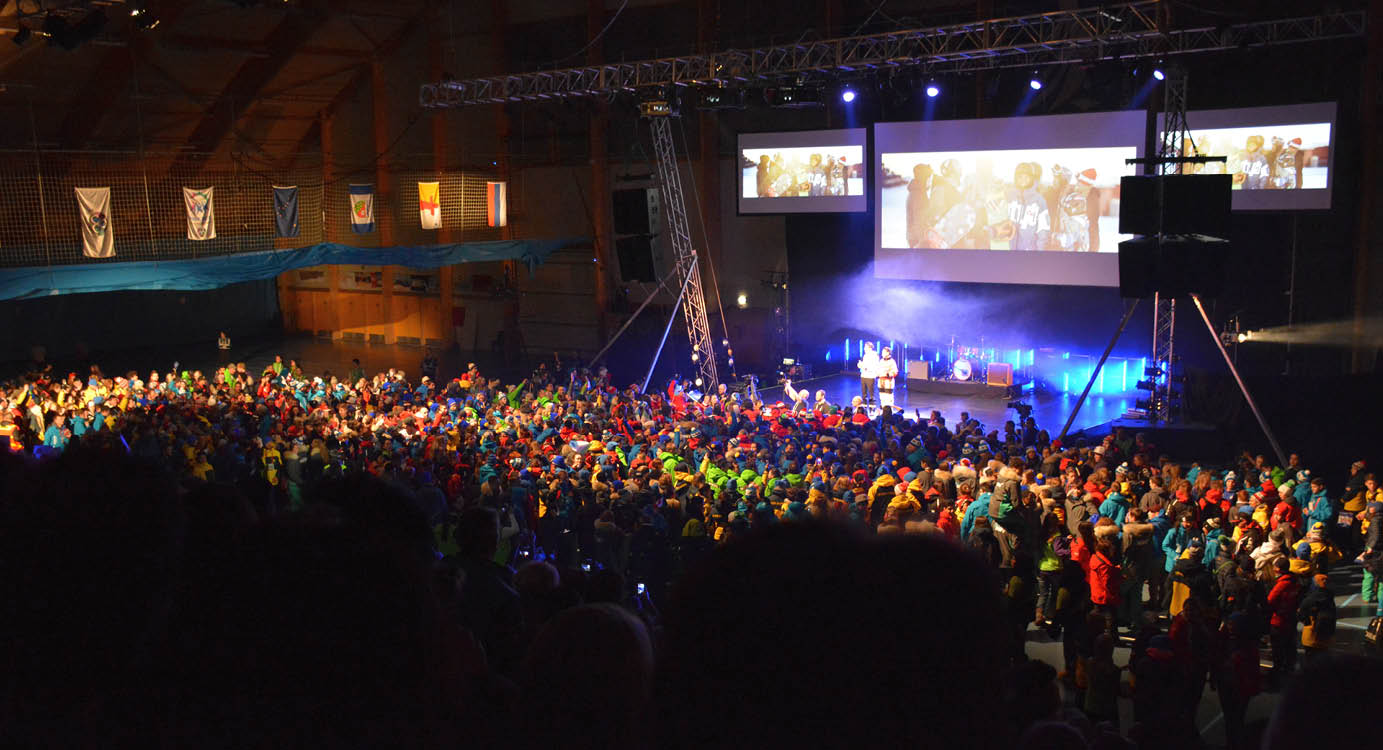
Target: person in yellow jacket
1324	553
1317	613
272	459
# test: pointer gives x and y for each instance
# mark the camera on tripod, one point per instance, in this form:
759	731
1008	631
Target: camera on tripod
1024	410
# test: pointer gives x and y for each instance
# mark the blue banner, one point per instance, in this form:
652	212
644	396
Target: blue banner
219	271
286	211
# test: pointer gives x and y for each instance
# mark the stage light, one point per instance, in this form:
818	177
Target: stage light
1245	336
1035	83
698	382
742	300
848	95
696	357
932	90
731	361
1158	74
725	342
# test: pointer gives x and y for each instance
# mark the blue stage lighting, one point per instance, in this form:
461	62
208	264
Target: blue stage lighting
933	90
847	96
1035	83
1158	74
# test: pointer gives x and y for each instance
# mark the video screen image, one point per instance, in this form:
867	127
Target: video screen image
802	172
1275	157
1279	157
1060	200
807	172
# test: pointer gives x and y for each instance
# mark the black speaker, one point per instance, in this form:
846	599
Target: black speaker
1192	204
635	258
631	210
1172	266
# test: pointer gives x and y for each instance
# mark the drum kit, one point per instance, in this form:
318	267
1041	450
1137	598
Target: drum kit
966	363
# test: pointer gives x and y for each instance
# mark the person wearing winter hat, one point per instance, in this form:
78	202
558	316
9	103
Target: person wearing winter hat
1282	625
1372	556
1317	614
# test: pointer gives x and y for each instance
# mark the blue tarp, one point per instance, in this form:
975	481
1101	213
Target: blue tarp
212	273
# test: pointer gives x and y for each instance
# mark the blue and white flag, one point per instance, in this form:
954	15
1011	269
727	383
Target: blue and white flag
362	208
201	214
98	238
286	211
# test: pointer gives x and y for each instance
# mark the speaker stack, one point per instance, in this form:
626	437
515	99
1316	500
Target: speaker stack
1182	251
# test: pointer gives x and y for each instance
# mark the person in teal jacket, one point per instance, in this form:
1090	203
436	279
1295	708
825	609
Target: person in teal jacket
1115	506
1320	507
976	509
1177	540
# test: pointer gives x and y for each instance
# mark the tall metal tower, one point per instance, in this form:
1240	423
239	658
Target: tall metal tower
1175	137
684	255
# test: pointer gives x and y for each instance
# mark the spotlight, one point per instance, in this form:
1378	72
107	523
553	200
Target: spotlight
1158	74
699	382
742	301
696	357
848	95
725	342
731	362
932	90
1035	83
1245	336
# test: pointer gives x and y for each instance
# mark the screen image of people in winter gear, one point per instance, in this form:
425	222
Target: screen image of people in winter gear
1063	200
1269	157
802	172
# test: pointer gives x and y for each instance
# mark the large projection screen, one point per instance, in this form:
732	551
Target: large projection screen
809	171
1281	158
1022	200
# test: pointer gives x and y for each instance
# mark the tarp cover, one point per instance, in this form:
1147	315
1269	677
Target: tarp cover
212	273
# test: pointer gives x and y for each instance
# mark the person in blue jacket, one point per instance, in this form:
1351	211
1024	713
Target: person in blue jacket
1115	506
1177	540
1319	507
976	509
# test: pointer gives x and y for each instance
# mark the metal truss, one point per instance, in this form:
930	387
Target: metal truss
1164	357
1174	137
688	270
1128	30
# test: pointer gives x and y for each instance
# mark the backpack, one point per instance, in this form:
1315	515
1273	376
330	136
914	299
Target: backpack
1323	622
1374	635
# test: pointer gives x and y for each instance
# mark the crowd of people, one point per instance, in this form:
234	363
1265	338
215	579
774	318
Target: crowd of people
275	557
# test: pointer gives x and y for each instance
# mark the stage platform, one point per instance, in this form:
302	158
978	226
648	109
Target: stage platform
971	388
1049	409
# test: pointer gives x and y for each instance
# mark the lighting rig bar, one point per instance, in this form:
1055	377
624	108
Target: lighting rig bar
1128	30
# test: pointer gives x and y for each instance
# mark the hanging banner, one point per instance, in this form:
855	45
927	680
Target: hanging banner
362	208
496	209
98	238
430	204
201	215
286	211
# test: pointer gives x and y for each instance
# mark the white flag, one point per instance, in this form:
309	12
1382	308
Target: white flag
201	214
98	238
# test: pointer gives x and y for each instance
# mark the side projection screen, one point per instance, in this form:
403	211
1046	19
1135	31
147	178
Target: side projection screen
804	172
1278	158
1023	200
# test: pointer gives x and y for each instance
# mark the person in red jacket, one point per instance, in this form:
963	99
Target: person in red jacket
1282	627
1289	513
1105	578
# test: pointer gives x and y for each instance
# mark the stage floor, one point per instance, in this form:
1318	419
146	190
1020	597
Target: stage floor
1050	410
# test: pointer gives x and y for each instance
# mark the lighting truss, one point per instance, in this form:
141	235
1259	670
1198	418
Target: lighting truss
1128	30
